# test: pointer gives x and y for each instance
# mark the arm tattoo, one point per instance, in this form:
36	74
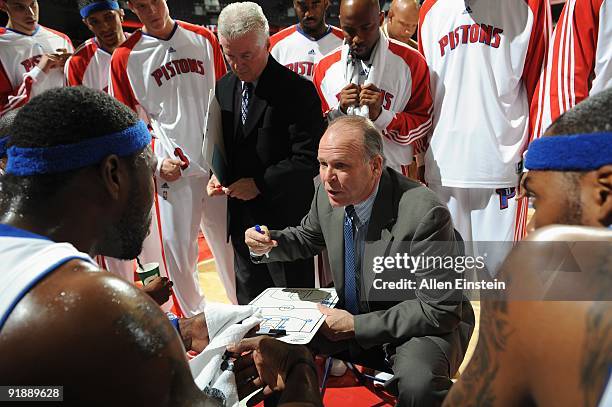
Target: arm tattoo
597	357
475	386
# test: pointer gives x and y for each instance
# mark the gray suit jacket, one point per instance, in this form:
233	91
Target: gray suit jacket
405	214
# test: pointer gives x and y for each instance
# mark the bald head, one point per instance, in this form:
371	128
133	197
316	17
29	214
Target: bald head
374	4
360	20
403	19
404	6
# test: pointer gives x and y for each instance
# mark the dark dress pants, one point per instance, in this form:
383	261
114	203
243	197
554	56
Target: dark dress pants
421	369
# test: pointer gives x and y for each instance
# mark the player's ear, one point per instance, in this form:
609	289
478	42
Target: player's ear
121	14
111	171
604	194
3	6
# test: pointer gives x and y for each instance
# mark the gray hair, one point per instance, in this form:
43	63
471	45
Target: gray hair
372	138
239	19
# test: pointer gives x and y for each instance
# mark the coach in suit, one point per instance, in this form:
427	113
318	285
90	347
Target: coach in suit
271	127
424	336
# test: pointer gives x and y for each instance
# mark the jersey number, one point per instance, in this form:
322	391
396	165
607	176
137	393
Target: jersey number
504	195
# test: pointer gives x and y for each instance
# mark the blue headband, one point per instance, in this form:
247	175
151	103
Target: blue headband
24	161
3	141
98	6
578	152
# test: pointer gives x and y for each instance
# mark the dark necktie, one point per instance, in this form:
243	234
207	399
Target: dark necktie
350	277
247	89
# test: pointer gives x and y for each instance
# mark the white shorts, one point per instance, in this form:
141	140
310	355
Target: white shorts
484	214
173	241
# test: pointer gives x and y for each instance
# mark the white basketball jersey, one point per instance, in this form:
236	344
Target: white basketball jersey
484	58
26	259
89	66
19	55
299	52
579	60
169	81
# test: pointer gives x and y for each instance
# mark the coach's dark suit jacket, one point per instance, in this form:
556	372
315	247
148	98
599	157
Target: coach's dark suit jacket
277	146
404	213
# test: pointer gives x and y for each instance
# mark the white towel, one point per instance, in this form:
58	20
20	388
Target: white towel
358	73
224	328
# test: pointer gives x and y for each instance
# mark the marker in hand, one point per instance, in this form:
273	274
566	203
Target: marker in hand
262	232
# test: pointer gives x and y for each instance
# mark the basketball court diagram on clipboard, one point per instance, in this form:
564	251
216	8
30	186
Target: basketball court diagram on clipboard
294	310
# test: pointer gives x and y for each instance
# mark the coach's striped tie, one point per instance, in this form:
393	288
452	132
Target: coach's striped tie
350	277
247	88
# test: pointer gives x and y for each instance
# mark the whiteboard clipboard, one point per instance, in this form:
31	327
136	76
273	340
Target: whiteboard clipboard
295	311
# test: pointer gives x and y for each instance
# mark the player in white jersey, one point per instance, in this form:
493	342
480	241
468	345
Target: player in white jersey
484	60
579	60
50	175
90	64
385	76
32	57
165	73
302	45
93	195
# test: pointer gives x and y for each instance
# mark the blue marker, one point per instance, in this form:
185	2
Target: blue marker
260	231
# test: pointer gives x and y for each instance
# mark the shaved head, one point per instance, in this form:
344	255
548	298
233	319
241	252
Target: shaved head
401	6
360	21
360	3
403	19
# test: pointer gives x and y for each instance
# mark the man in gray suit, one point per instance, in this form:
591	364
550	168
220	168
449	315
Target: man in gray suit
422	338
